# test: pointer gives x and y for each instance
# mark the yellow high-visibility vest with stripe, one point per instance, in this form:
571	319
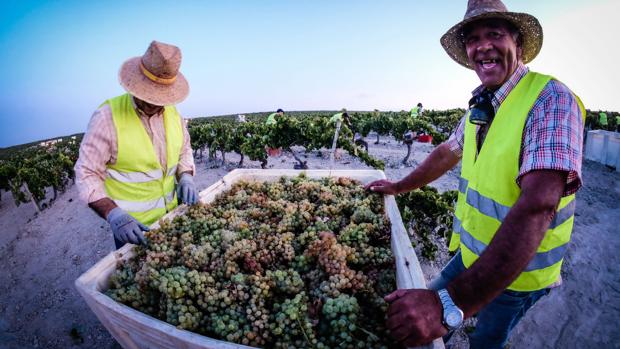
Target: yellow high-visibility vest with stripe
488	189
136	182
414	111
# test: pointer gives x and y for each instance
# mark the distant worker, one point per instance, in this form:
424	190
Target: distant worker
136	149
241	118
271	119
602	120
343	117
417	110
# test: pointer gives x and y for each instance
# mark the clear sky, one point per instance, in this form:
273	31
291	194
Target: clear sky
60	59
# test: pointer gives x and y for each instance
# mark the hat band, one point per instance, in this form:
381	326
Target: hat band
157	79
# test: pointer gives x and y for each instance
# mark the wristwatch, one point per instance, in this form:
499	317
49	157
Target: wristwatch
452	315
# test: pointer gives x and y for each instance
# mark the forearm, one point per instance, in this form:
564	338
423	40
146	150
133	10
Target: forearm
512	248
102	207
438	162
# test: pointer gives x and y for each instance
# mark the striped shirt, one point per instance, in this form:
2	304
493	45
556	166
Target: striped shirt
99	149
552	136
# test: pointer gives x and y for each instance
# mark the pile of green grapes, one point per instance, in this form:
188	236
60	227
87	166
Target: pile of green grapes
297	263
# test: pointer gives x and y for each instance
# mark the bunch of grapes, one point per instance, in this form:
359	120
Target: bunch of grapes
297	263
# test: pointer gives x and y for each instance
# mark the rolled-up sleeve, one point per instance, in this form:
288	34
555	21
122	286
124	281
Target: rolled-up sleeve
553	136
96	150
186	158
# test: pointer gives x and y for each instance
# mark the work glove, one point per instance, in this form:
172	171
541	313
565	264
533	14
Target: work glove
186	191
126	228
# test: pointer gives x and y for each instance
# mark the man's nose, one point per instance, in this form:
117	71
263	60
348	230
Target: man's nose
484	45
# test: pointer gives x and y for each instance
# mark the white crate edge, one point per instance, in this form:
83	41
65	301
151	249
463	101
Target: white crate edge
134	329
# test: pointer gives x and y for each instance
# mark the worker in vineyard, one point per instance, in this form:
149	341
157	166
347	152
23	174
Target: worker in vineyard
271	119
417	110
602	120
136	149
521	167
343	117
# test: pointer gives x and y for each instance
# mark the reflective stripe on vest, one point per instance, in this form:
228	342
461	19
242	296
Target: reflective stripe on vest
488	189
136	182
143	206
139	177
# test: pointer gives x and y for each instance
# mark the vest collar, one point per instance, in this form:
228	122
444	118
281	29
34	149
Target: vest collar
501	93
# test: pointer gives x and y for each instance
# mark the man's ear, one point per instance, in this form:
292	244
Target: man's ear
520	47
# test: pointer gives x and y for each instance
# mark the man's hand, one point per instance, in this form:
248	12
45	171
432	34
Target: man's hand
126	228
414	317
383	186
187	189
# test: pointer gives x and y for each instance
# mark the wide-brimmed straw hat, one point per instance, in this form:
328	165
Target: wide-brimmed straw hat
155	77
529	27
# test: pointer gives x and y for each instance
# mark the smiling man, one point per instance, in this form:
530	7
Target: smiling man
520	147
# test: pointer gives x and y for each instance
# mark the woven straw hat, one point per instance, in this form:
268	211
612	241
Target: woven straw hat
528	25
155	77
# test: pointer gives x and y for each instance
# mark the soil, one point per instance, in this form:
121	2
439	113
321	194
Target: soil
43	253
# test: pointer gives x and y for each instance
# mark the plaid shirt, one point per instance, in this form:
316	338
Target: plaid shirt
552	136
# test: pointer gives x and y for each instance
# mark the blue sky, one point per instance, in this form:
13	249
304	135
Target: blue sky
60	59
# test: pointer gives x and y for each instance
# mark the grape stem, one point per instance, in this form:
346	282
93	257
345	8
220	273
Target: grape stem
304	332
372	336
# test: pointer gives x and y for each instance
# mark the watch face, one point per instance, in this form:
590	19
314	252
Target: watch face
454	318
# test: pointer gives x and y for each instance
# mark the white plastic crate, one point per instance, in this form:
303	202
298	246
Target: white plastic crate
595	145
604	147
612	152
133	329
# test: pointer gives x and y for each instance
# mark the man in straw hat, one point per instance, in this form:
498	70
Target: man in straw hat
137	148
520	147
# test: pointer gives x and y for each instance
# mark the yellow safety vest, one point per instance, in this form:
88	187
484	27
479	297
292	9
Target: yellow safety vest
271	119
136	182
414	111
336	117
487	190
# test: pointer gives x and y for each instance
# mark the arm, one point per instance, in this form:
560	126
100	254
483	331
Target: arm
186	190
514	244
415	315
186	157
439	161
98	148
102	207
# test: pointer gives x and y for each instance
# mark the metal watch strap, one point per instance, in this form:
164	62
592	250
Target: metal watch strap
448	306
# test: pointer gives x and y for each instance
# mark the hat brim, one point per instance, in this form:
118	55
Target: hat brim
528	25
132	79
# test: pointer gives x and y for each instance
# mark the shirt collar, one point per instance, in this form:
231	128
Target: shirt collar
501	93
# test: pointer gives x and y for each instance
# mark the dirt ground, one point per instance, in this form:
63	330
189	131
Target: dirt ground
42	254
